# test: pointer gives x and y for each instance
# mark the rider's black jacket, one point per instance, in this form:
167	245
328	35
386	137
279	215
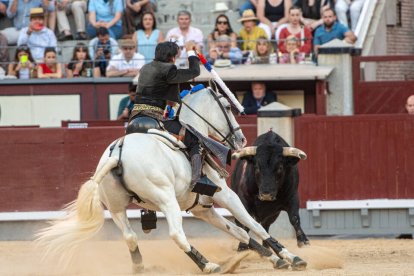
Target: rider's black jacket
159	82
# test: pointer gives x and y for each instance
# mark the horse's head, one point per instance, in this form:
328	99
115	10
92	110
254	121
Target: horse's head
211	114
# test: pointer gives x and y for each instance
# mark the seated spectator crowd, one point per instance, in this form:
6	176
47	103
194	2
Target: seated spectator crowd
116	40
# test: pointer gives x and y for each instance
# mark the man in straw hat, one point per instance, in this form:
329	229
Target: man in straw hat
250	32
127	63
36	35
18	11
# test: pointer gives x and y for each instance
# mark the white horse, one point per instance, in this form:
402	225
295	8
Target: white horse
160	176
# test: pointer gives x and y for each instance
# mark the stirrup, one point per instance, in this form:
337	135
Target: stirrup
205	186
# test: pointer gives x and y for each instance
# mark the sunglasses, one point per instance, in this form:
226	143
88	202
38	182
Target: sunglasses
223	22
128	48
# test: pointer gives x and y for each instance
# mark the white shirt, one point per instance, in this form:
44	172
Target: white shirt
177	36
118	62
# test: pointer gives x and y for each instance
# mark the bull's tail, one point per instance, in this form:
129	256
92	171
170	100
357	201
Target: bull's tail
83	219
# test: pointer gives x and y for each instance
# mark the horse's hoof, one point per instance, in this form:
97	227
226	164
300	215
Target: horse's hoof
298	264
212	268
243	247
138	268
281	264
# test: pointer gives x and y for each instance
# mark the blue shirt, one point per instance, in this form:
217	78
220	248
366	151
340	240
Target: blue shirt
322	36
106	12
21	16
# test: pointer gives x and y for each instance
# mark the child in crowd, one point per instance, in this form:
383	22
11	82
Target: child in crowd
263	53
50	69
293	54
23	66
81	64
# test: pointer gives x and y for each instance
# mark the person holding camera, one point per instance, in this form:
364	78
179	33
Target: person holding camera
102	48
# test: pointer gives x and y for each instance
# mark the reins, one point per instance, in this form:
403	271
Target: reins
232	129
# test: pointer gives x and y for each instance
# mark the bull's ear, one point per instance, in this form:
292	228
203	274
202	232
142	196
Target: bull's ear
291	161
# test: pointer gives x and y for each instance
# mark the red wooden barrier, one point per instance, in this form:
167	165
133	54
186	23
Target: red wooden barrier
41	169
356	157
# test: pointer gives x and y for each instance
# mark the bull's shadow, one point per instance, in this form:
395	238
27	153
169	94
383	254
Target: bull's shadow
266	179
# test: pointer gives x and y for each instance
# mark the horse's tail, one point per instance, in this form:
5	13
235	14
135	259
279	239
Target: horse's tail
83	219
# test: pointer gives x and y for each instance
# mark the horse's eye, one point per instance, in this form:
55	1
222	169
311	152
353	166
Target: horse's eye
228	107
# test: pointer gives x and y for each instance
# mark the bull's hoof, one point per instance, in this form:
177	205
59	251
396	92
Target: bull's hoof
243	247
303	243
282	264
147	231
211	268
298	264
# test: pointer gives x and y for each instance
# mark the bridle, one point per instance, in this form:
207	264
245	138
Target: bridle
229	138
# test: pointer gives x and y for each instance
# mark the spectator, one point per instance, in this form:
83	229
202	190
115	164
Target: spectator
354	7
222	27
36	35
107	14
294	27
4	52
272	14
263	54
250	32
136	9
3	8
49	6
312	11
330	30
50	69
19	12
224	50
81	64
101	48
147	36
78	9
248	5
257	97
184	33
127	103
127	63
293	53
23	66
409	106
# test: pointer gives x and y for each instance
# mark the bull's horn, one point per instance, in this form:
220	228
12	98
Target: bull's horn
290	151
244	152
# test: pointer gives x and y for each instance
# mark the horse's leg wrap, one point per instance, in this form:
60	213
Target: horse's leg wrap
196	256
264	252
275	245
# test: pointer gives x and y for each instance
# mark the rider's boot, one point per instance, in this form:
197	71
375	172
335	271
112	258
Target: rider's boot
201	184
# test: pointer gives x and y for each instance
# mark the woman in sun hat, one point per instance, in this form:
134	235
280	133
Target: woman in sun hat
250	32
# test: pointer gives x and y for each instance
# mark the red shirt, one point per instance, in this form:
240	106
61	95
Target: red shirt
46	69
304	36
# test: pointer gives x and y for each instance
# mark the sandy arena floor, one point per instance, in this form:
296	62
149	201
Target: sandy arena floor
162	257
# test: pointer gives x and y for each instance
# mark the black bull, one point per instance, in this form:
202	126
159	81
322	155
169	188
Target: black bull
266	179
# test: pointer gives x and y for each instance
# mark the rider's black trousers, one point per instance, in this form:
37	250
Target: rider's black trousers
190	140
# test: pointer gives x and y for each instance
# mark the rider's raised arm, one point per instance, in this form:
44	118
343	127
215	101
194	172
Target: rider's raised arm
182	75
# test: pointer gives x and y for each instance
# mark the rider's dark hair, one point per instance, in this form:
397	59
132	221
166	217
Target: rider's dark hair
166	51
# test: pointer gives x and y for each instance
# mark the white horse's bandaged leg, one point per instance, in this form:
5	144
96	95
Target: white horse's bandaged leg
229	200
121	220
211	216
172	213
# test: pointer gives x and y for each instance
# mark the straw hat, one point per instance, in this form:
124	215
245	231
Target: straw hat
126	43
37	12
248	15
220	7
